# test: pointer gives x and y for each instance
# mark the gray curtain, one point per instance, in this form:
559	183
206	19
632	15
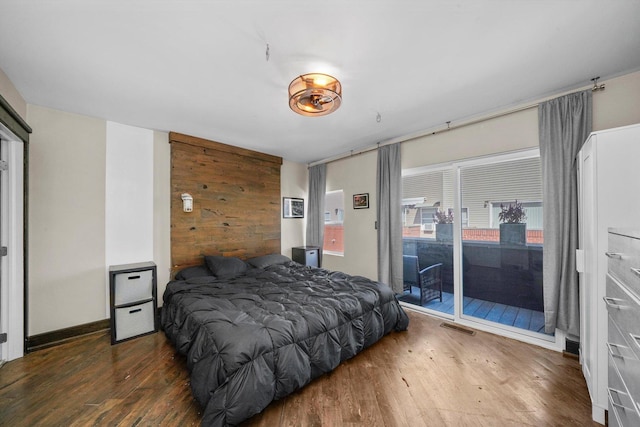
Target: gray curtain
315	211
389	204
564	124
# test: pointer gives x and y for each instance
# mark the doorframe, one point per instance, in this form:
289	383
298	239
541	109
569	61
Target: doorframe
13	214
15	129
556	343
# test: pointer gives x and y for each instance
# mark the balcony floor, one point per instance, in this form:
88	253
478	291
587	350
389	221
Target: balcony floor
522	318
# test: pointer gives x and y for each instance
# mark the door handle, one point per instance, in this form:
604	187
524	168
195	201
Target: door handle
613	302
613	255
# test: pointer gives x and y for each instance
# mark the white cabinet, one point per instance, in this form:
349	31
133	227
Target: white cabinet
133	300
608	180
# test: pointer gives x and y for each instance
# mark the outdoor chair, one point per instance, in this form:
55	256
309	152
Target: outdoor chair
428	280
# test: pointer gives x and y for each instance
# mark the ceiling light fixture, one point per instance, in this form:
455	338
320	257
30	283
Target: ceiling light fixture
315	94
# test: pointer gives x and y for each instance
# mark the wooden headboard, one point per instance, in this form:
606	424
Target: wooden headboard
236	201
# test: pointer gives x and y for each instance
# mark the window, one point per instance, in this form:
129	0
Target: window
427	217
334	223
533	211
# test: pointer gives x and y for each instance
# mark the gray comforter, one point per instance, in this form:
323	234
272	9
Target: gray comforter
268	332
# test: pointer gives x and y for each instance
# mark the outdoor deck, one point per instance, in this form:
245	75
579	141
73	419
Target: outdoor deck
518	317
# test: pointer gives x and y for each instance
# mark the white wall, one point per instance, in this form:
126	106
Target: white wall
355	175
619	104
98	195
293	183
129	197
12	96
508	133
67	170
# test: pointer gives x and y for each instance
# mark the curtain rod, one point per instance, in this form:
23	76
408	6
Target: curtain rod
449	127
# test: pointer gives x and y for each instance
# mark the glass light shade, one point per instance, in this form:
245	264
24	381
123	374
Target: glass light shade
315	94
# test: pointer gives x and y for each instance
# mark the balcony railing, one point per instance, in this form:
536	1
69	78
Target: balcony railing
505	274
472	234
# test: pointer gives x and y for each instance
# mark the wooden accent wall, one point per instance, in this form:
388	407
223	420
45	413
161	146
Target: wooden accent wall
236	201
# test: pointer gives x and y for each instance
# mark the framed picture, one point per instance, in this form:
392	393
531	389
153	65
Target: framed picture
292	207
361	201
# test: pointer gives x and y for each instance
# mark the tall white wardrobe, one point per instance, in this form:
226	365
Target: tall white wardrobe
608	187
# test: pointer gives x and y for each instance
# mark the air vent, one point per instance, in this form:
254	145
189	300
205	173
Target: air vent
458	328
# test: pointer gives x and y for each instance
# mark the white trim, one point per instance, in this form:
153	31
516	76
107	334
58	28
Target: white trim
332	253
12	298
540	340
428	168
555	343
524	153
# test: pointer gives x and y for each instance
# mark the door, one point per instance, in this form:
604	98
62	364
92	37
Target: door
586	214
501	271
3	253
428	224
12	301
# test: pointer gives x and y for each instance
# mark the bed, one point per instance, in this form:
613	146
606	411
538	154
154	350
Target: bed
256	331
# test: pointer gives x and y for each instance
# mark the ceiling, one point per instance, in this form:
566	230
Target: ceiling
201	67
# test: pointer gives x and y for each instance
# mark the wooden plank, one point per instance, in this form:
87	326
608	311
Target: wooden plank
537	321
509	316
471	308
237	202
483	309
447	303
496	312
425	376
523	319
217	146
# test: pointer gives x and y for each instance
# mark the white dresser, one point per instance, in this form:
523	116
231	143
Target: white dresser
623	345
608	180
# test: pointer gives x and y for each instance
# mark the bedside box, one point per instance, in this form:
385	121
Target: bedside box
133	286
132	289
307	255
134	320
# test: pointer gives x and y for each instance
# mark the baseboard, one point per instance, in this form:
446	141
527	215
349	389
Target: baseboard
570	355
61	336
53	338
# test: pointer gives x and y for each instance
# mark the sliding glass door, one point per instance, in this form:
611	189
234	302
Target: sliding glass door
428	225
501	248
481	220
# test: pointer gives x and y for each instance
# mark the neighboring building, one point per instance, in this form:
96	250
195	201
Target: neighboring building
484	189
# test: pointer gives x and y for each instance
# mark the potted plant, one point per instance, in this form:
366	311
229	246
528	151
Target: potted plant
513	229
444	225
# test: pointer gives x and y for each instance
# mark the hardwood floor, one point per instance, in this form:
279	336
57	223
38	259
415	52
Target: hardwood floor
427	376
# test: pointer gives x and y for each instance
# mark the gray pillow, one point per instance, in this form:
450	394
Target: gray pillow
267	260
195	271
225	267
